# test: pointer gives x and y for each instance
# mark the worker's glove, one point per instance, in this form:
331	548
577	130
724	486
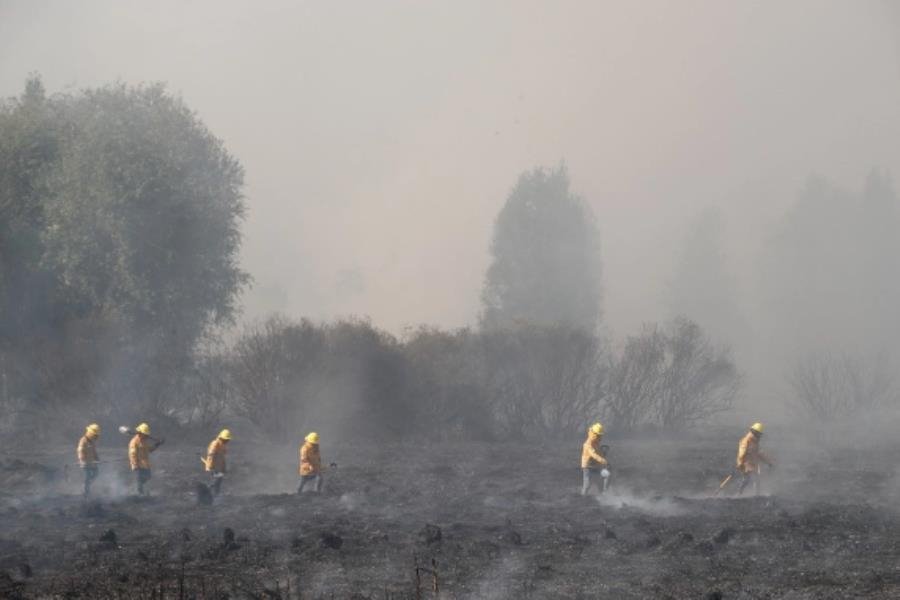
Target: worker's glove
218	475
604	473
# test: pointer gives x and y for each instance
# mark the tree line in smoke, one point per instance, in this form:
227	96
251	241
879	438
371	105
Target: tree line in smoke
119	236
523	382
812	316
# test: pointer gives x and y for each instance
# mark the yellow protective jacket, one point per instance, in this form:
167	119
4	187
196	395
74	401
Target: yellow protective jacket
139	453
749	455
87	451
215	456
310	459
590	452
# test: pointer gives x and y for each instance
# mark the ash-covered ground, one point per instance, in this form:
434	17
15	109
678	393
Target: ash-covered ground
498	520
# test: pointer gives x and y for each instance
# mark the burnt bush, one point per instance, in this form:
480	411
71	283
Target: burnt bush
514	382
269	366
465	384
523	382
671	377
290	376
827	387
361	386
446	384
286	377
541	380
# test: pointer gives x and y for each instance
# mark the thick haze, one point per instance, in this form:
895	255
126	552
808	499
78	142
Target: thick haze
381	139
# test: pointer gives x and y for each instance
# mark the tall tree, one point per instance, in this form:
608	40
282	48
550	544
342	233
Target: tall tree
119	239
143	206
545	251
27	145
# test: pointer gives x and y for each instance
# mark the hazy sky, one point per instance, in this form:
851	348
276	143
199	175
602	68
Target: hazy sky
381	138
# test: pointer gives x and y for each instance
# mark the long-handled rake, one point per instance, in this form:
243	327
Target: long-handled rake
724	483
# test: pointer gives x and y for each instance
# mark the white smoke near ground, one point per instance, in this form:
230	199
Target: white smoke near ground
500	581
322	581
623	498
498	502
112	484
351	501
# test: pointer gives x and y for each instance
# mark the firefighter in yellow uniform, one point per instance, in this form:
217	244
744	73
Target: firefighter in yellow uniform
749	457
310	463
139	450
592	461
88	459
215	459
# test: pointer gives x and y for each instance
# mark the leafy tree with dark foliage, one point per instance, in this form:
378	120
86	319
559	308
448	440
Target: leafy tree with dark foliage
546	257
119	226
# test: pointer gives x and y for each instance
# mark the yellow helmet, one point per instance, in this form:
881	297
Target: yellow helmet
757	427
312	438
92	430
596	429
225	434
143	428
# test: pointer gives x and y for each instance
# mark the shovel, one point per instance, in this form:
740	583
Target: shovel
129	431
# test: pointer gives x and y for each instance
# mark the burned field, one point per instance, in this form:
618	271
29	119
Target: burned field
480	520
